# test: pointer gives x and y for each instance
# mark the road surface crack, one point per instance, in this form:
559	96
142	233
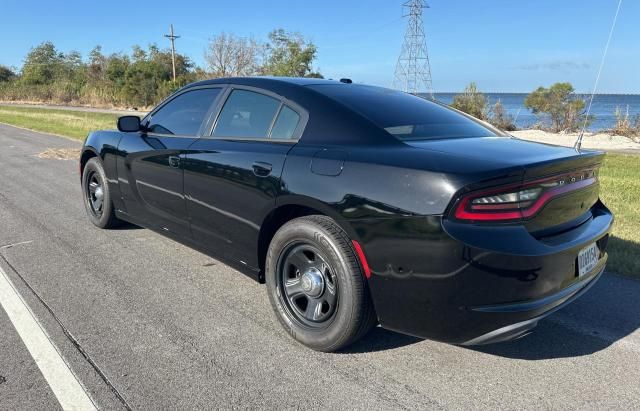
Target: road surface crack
4	247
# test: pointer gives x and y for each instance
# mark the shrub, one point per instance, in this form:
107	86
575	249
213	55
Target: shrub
626	126
560	105
472	102
498	117
6	74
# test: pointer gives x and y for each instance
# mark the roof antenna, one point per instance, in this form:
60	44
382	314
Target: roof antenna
578	143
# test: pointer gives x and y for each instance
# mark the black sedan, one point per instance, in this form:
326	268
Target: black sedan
359	205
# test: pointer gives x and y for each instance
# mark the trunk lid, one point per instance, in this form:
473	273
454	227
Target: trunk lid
537	162
506	151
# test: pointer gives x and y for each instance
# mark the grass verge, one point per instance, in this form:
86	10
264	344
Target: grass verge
68	123
619	177
620	191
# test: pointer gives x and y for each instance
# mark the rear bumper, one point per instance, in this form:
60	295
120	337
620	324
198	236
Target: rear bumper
548	304
474	285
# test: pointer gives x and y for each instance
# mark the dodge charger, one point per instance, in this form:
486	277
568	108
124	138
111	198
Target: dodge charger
358	206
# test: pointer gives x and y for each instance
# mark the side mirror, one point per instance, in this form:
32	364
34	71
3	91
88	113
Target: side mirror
129	124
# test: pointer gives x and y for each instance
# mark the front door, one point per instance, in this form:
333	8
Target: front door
232	178
151	172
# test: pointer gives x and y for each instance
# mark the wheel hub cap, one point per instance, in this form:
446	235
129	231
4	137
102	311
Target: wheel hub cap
99	194
312	282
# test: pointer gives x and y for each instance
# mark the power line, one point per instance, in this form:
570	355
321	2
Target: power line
413	70
172	37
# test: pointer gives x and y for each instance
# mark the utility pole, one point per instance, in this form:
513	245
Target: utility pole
413	71
173	38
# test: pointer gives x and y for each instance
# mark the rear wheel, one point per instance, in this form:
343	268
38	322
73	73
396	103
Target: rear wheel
316	286
97	197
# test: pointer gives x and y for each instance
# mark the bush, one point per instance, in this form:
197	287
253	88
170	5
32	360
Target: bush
472	102
560	105
499	118
6	74
626	126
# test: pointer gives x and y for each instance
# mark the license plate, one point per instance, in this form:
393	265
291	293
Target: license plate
587	259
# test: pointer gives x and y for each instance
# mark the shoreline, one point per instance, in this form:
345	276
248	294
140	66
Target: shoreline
596	141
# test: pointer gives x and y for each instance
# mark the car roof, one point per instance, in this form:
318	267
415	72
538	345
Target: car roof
266	81
330	122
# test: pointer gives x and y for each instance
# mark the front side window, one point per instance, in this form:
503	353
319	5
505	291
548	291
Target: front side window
184	114
246	114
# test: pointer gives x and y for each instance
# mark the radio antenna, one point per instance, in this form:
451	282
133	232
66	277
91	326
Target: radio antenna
578	143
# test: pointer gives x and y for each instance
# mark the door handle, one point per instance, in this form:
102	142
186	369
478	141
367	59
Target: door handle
174	161
261	169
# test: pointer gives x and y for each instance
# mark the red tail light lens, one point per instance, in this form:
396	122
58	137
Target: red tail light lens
520	201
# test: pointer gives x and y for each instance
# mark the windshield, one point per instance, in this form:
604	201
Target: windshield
403	115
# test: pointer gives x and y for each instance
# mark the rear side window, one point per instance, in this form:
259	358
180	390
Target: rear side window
184	114
246	114
286	124
403	115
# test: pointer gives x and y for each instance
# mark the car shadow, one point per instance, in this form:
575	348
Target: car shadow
379	339
607	313
125	226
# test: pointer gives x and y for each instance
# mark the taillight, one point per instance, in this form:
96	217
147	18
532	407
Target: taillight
516	202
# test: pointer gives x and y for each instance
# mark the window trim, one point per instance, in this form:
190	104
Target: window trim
214	104
297	134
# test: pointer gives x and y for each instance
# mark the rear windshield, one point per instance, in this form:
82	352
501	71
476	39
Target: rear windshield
403	115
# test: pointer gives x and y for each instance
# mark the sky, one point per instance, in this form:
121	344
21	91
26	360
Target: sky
502	45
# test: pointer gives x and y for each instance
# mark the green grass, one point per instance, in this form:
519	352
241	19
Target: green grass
68	123
620	191
619	177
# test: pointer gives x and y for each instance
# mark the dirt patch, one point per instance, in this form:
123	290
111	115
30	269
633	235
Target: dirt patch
60	153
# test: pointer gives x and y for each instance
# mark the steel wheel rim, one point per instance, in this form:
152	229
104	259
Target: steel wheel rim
95	193
307	285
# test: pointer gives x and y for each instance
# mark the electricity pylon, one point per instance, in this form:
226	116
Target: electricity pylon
413	71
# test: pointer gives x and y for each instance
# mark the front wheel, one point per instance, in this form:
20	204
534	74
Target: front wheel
97	197
316	286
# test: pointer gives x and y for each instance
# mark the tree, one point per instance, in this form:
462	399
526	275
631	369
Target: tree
97	66
116	67
148	79
138	54
6	74
163	58
141	80
472	102
228	55
560	105
42	64
288	54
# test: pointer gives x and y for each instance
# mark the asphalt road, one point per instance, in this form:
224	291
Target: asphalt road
147	323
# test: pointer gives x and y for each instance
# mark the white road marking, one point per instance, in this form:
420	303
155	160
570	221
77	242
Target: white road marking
68	390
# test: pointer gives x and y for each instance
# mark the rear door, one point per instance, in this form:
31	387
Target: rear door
232	176
151	172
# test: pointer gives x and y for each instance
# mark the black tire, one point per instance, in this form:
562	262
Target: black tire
97	197
343	312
